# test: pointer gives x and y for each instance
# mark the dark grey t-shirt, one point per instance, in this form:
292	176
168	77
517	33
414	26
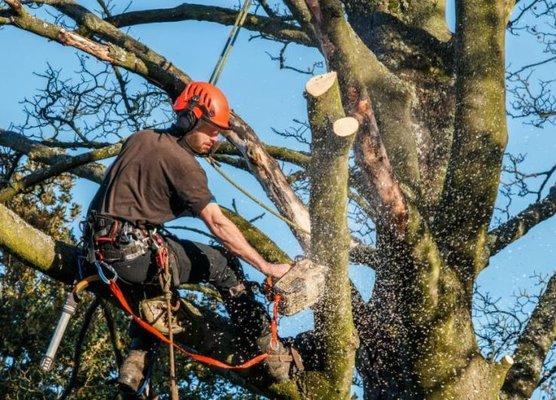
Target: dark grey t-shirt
153	180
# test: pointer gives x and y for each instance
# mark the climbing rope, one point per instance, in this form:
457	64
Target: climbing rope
240	19
165	279
214	164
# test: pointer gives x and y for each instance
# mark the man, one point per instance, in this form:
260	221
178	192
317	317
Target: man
156	178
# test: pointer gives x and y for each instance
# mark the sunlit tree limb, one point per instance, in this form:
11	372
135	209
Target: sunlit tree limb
518	226
532	348
480	134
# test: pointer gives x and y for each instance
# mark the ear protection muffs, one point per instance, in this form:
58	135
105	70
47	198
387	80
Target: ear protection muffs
187	121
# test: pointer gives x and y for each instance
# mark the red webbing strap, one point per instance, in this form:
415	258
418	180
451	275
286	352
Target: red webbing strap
115	289
274	323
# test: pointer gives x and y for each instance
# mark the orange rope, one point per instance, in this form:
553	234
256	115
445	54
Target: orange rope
116	291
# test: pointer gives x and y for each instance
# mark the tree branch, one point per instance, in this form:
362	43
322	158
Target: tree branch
15	187
110	53
345	53
269	174
518	226
50	156
256	238
272	27
299	158
52	257
332	138
480	134
532	347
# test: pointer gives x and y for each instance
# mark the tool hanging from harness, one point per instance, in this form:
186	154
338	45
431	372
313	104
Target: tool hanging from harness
106	239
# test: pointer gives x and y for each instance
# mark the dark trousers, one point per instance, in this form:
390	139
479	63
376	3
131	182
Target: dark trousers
196	263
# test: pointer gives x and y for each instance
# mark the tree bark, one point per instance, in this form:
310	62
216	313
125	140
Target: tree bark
332	137
480	135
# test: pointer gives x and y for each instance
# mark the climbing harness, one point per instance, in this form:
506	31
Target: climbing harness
162	261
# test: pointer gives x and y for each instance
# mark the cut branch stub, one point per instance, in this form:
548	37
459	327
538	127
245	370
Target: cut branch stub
345	127
320	84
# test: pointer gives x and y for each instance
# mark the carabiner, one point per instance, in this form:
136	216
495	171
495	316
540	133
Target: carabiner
102	276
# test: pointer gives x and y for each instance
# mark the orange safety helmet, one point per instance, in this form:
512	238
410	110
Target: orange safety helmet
206	102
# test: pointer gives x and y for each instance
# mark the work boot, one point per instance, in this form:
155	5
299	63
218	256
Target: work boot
132	371
282	362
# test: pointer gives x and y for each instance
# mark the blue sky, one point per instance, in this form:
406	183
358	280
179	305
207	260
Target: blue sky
268	98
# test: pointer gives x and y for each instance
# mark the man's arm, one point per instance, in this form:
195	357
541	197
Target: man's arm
232	238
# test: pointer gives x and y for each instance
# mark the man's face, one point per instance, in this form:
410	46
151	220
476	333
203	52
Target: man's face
203	137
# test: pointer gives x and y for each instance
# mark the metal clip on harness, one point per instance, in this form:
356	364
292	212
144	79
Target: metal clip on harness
100	265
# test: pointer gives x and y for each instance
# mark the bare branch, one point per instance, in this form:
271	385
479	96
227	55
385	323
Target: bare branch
534	101
532	347
518	226
535	64
281	58
299	158
270	27
44	154
18	186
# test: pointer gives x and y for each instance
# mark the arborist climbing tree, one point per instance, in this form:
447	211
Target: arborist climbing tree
408	126
141	192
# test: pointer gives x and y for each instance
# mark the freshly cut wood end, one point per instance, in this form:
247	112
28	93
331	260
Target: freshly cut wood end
320	84
507	361
345	126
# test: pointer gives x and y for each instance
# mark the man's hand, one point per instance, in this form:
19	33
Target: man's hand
277	270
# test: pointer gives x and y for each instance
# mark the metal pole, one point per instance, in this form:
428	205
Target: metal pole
70	305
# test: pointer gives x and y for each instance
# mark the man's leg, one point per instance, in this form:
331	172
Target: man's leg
134	368
218	267
215	266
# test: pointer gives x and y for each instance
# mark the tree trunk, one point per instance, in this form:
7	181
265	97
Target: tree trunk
406	356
